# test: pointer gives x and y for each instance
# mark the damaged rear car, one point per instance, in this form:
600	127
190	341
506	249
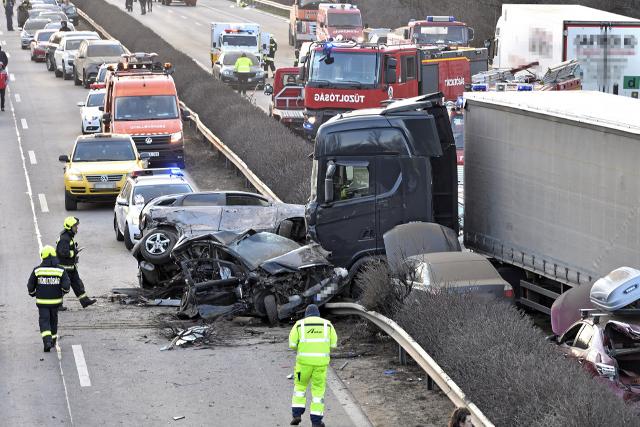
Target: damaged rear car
258	274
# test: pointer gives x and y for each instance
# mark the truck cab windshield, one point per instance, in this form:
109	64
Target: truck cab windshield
310	4
239	40
440	35
155	107
344	20
348	69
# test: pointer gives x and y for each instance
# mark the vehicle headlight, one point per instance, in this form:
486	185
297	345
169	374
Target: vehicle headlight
259	73
74	177
227	72
312	119
176	137
135	220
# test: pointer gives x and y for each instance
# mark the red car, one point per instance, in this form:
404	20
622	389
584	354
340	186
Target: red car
606	339
39	44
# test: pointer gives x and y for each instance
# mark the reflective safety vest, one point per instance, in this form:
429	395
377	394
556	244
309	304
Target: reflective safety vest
313	337
48	284
67	250
243	65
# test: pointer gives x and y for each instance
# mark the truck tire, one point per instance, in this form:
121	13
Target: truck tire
119	235
157	244
285	228
70	203
128	243
76	80
57	72
271	308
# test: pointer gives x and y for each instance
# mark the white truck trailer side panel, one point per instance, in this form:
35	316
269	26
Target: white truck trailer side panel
534	32
552	182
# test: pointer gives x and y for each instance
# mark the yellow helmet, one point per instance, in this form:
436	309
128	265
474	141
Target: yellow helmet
47	252
70	221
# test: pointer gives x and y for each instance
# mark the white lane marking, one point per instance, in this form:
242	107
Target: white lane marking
1	33
4	42
12	77
348	402
24	124
32	157
183	17
8	55
198	24
43	203
169	10
81	365
64	383
17	96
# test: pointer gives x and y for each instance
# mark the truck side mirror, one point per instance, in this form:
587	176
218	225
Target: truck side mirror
268	89
186	115
328	182
106	118
470	33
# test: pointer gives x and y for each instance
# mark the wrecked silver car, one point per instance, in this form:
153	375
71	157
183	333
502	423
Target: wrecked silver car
165	219
252	273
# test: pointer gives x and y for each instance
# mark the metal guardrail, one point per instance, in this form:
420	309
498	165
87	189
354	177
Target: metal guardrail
426	362
260	186
273	4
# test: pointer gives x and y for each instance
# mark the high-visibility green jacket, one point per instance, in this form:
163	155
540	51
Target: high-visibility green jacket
243	65
313	337
48	283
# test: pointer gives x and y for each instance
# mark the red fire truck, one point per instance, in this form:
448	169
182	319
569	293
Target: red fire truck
433	31
365	76
339	20
302	21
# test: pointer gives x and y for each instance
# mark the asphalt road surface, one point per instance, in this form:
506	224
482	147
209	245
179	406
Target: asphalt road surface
188	29
108	369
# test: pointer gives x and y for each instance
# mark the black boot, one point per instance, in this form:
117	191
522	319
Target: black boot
295	421
86	301
47	344
62	308
321	424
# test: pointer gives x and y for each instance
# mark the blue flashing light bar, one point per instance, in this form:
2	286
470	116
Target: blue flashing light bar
525	88
479	87
440	18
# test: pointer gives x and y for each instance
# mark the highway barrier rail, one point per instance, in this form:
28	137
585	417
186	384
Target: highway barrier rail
415	350
273	4
260	186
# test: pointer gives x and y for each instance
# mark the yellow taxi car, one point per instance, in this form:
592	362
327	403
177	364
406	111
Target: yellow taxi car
98	167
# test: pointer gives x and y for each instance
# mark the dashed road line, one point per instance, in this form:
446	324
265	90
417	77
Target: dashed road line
32	157
18	98
24	124
8	55
183	17
81	366
198	24
44	207
12	77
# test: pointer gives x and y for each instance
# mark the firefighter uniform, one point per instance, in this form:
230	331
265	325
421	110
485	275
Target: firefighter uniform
269	59
67	250
313	337
48	283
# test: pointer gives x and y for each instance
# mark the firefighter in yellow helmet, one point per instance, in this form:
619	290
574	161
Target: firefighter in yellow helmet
313	337
67	250
48	283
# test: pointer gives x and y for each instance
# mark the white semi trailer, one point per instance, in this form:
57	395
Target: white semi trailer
606	44
552	187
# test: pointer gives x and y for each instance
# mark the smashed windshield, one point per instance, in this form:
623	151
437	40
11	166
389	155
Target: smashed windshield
155	107
261	247
440	35
239	40
344	20
104	151
348	68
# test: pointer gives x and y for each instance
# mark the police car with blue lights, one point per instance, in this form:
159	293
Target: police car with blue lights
140	188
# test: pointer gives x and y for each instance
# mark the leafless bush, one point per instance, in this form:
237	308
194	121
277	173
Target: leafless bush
381	292
271	151
502	362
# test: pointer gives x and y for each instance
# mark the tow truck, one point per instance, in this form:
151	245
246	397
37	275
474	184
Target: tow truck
345	76
302	21
435	30
237	37
335	20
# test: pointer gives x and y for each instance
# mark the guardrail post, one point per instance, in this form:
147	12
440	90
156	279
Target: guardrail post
429	383
402	355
